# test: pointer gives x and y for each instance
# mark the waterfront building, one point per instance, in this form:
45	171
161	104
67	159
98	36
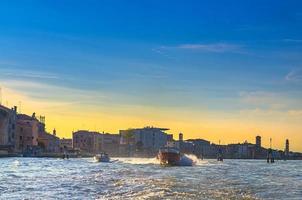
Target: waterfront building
170	141
258	141
109	143
170	137
258	151
240	151
86	141
244	150
149	139
95	142
287	147
286	150
66	144
8	128
186	147
201	148
180	143
27	132
180	137
49	143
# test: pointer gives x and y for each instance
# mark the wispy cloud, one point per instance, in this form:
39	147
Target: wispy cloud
262	99
31	75
292	40
281	100
162	52
294	75
19	73
203	47
13	96
295	113
215	47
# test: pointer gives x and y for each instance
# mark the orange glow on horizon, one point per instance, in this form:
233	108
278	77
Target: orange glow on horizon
205	124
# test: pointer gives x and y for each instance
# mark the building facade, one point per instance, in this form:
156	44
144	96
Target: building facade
86	141
49	143
109	143
8	119
258	141
148	139
65	144
27	132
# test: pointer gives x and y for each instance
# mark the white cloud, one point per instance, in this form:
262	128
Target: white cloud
210	47
215	47
294	75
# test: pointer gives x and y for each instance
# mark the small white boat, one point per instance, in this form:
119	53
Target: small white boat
103	157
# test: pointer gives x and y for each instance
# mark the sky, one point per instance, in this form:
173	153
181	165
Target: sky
217	70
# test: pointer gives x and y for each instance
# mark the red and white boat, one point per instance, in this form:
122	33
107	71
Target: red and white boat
169	156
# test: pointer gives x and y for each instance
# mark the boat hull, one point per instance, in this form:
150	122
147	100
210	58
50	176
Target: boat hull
101	159
169	158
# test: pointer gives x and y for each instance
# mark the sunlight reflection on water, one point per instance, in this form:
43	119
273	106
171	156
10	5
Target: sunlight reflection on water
129	178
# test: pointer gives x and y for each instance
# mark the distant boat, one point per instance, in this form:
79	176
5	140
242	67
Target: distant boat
103	157
169	156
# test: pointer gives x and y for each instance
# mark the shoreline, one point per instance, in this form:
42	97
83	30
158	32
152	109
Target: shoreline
91	156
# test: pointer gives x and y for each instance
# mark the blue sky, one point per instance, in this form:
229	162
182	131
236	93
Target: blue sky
217	48
222	56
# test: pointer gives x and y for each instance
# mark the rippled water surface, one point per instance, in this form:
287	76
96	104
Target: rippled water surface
47	178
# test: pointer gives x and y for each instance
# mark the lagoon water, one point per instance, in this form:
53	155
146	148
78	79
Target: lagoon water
132	178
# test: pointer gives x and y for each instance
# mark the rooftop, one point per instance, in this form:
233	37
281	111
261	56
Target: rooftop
150	128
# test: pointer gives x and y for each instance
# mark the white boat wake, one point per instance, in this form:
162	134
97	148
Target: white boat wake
185	160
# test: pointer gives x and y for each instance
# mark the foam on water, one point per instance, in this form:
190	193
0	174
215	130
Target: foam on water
139	161
144	178
186	160
16	163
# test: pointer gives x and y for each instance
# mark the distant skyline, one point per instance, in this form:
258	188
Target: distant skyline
217	70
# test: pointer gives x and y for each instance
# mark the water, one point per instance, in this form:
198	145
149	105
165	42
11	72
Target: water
47	178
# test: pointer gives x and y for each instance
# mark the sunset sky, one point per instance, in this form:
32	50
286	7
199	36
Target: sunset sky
221	70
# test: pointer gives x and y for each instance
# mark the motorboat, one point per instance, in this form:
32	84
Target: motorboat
103	157
169	156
